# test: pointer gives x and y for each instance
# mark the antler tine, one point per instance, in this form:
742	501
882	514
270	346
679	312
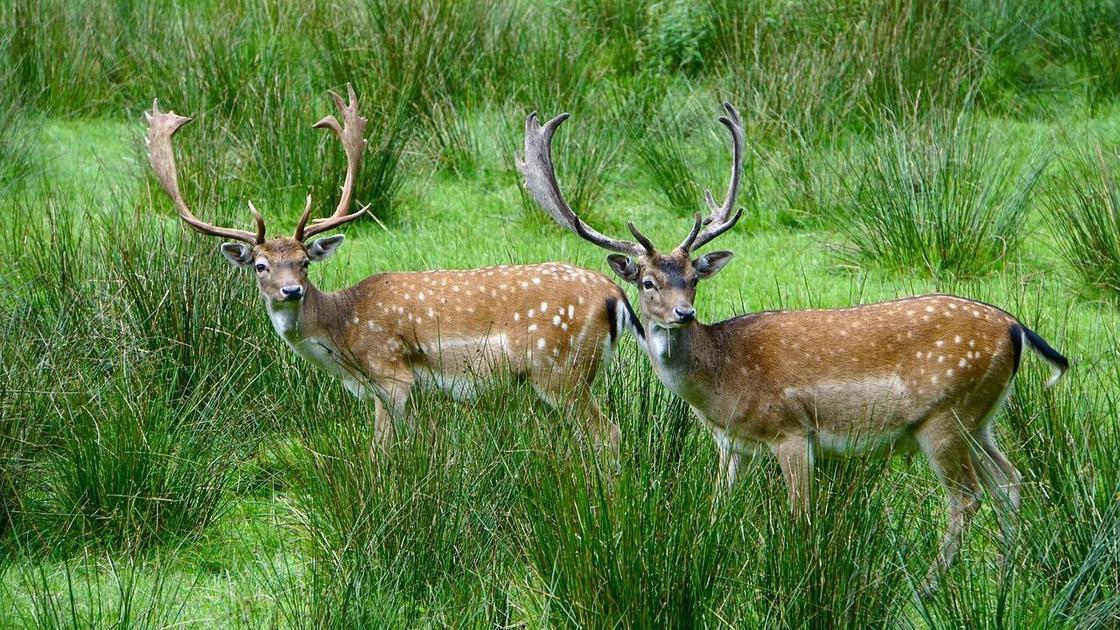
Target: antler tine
259	220
303	219
351	132
720	219
161	127
540	180
645	242
686	245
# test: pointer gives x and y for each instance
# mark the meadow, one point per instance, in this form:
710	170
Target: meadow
166	461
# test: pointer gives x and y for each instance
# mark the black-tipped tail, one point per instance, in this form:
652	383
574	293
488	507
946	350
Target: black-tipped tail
621	317
1058	363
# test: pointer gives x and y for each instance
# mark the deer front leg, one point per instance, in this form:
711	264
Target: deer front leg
729	460
796	463
390	407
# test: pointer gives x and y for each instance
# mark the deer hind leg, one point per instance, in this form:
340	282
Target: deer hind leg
795	460
1001	481
575	400
950	456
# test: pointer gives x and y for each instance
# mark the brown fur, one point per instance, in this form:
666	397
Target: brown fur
459	329
927	373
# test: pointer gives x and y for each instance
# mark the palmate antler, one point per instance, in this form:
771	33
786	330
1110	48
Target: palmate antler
351	132
540	179
720	221
161	127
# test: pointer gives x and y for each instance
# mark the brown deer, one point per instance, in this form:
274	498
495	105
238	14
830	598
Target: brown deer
929	372
552	324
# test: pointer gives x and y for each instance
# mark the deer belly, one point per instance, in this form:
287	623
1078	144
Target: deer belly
462	367
855	416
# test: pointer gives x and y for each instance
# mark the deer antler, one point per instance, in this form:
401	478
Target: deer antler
540	179
719	221
351	132
161	127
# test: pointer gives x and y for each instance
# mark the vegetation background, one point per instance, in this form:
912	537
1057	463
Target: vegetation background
166	461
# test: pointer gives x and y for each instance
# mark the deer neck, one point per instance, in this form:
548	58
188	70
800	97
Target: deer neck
305	319
313	327
681	358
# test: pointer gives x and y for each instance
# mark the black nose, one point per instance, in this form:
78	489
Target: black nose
292	293
685	314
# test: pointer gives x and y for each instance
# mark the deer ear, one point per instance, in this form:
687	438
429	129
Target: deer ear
238	254
321	248
709	264
626	268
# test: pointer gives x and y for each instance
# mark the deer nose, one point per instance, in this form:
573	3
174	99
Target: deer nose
685	313
292	292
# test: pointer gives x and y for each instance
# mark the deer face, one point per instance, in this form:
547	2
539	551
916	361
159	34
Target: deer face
280	264
667	283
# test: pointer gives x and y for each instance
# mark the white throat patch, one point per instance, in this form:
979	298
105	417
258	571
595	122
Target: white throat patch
285	319
659	342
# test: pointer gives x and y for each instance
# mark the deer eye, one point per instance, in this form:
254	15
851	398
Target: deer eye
262	267
647	283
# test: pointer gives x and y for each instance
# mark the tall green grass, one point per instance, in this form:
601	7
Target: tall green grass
421	527
97	592
1085	217
135	382
939	198
144	400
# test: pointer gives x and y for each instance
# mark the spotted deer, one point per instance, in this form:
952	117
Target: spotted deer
929	372
457	330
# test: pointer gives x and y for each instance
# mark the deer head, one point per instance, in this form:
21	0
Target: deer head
666	281
280	262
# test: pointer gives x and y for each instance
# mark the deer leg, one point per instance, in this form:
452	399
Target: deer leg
390	407
1004	473
729	460
1001	481
950	457
579	403
795	460
605	432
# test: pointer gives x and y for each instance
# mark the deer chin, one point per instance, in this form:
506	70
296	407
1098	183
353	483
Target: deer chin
672	325
284	315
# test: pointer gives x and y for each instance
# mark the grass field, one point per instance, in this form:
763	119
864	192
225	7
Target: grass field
165	460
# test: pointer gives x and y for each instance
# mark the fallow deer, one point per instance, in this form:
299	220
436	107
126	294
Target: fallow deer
552	324
929	372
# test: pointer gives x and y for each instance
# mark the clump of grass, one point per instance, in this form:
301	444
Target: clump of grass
15	132
1085	217
663	152
87	593
137	382
1093	32
418	525
822	67
938	198
623	26
450	129
644	546
142	467
849	563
